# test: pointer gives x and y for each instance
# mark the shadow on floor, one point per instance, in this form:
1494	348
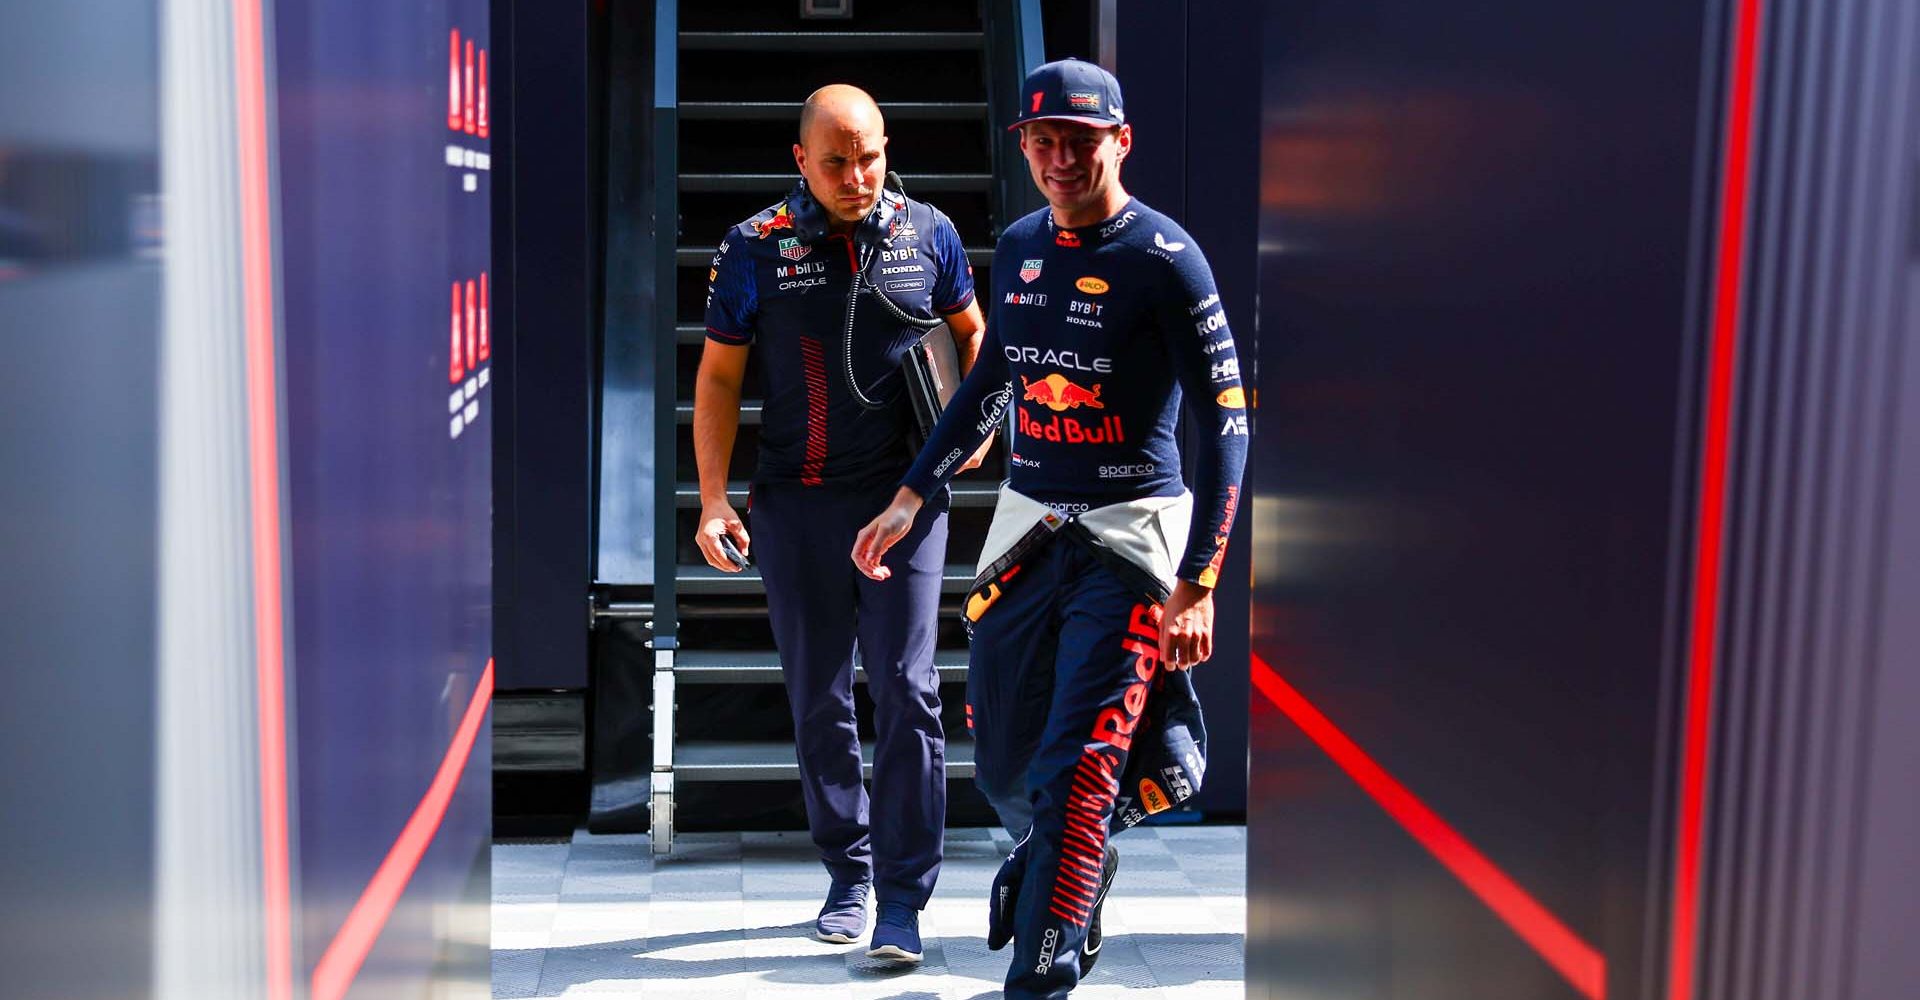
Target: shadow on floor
642	960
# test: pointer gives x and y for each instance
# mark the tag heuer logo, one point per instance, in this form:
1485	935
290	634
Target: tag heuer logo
791	249
1029	270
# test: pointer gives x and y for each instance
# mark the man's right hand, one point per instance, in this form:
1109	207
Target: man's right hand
717	518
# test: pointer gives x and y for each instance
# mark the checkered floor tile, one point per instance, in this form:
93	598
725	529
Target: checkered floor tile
729	915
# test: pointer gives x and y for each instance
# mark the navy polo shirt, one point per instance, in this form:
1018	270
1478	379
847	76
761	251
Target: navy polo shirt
780	281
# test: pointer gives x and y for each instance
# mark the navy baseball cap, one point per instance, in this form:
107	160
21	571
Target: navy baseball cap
1073	91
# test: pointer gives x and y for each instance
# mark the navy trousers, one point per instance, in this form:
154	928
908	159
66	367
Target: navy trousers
821	608
1059	672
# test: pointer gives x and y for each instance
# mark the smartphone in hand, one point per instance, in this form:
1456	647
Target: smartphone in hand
732	551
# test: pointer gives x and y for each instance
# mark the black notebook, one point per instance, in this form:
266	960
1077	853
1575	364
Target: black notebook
932	371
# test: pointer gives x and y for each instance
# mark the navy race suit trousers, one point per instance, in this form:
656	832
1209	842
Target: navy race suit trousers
821	608
1059	672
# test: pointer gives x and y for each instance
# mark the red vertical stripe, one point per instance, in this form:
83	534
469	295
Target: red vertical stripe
1578	962
467	123
483	94
1710	527
263	459
473	325
453	79
813	366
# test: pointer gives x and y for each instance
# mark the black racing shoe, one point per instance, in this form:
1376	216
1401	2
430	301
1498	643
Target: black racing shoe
1090	952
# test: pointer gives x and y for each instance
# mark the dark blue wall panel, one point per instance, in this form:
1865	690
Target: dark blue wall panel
388	470
546	373
1189	72
1474	319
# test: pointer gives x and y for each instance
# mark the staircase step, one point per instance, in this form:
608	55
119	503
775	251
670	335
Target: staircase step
687	495
774	761
737	110
829	41
703	256
703	580
749	413
916	183
715	667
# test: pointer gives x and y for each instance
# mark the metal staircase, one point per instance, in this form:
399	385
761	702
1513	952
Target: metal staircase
742	70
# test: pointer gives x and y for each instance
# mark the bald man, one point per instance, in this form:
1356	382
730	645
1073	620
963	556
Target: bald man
834	439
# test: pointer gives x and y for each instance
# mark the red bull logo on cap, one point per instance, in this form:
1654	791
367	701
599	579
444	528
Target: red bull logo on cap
1059	393
782	219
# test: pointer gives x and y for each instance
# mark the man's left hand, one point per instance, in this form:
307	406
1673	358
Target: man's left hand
1186	626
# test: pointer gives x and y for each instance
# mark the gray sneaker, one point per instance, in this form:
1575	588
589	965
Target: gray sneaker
844	917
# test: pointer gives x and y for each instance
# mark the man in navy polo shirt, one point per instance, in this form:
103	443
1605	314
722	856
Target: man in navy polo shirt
1101	564
833	442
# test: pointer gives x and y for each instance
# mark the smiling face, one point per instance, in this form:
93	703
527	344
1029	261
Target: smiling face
842	153
1077	167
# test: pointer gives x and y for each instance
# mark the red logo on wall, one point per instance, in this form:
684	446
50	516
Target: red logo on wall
453	80
466	86
469	345
469	339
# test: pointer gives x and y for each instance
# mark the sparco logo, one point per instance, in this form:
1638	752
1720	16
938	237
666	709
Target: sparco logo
1126	471
1048	942
952	457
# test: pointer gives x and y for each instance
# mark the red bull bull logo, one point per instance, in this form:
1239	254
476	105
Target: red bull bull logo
1067	238
1059	393
782	219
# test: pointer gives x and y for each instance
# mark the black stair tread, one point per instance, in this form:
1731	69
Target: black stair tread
687	495
703	256
742	760
725	609
749	412
791	109
702	580
779	182
731	667
830	41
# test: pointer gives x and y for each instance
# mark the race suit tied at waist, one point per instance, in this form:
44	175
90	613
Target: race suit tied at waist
1138	541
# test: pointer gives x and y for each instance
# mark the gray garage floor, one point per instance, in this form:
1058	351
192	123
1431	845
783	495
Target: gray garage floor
729	916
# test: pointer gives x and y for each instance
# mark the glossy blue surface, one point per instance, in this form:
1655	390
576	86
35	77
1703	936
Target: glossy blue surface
388	509
1475	330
